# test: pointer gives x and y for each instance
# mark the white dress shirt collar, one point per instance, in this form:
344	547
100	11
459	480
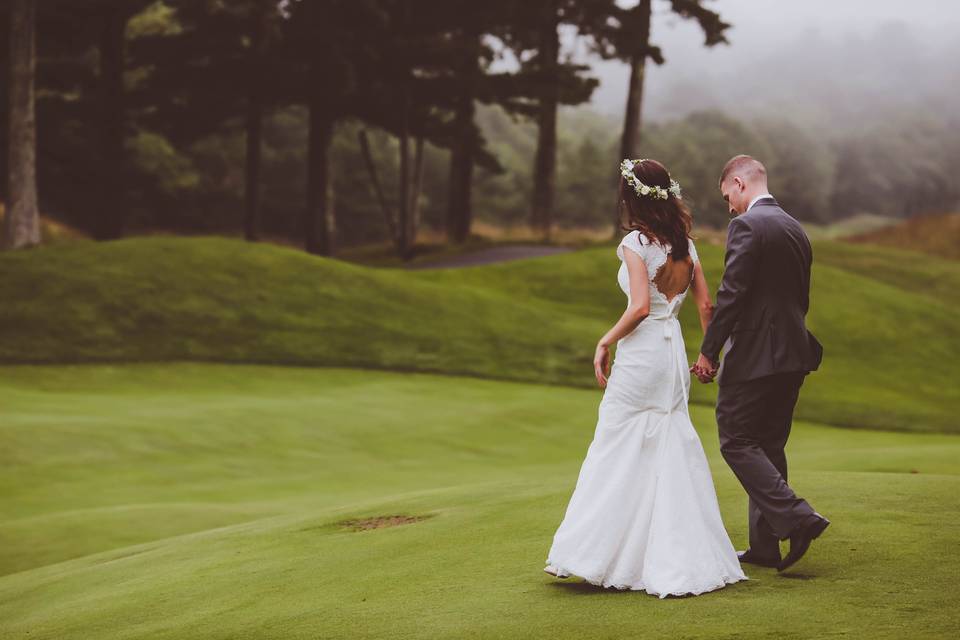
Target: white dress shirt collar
754	201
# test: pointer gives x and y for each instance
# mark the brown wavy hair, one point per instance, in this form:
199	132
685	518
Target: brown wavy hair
666	221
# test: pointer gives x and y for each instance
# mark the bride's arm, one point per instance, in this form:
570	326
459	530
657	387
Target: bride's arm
639	307
701	295
636	311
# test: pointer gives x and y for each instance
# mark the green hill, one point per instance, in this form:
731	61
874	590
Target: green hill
885	328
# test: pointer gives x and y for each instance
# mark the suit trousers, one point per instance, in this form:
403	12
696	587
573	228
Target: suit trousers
754	419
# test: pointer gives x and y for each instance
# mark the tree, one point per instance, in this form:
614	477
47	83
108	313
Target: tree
630	40
415	78
545	161
553	82
469	28
451	58
258	25
333	44
113	18
22	220
464	142
4	104
636	49
213	74
84	137
436	69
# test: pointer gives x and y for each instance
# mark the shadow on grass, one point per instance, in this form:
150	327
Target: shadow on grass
587	588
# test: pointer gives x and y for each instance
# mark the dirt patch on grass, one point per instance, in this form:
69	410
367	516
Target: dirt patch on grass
379	522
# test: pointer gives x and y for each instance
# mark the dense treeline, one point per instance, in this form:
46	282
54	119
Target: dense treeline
895	165
163	113
339	122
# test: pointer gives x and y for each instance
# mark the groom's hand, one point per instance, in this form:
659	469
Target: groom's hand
704	369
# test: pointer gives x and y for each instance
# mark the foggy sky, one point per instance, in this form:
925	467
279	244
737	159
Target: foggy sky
763	29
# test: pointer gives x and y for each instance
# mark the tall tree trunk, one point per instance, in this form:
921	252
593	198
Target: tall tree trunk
375	181
315	229
254	123
545	162
331	218
632	121
4	109
112	210
22	220
415	191
633	118
459	199
403	211
405	80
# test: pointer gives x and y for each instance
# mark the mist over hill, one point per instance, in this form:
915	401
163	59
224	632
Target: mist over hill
823	64
852	105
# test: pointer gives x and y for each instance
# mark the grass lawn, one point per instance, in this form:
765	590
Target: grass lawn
189	500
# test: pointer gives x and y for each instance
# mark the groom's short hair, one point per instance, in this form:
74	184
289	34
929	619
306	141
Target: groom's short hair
744	166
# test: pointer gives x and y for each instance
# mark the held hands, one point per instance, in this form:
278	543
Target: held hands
601	364
704	369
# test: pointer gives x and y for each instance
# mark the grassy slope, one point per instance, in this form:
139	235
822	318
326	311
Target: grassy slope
200	501
219	299
859	224
885	328
936	234
881	334
928	275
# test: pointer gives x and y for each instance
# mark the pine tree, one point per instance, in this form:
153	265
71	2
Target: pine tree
22	220
535	29
631	42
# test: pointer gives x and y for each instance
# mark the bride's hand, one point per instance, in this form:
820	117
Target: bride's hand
601	364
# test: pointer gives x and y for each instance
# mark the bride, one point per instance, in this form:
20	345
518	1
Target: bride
644	513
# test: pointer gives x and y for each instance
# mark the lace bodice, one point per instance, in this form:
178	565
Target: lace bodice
655	257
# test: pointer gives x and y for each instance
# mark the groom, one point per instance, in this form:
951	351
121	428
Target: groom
759	322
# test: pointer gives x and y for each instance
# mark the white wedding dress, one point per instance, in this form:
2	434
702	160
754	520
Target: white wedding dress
644	513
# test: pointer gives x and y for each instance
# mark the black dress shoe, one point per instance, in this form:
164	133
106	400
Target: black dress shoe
801	538
750	557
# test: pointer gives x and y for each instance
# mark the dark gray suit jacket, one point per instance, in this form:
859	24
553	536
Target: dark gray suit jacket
763	298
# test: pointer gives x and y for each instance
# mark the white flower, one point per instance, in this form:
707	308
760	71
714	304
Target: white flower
655	191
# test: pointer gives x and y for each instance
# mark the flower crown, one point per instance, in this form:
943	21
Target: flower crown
654	191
